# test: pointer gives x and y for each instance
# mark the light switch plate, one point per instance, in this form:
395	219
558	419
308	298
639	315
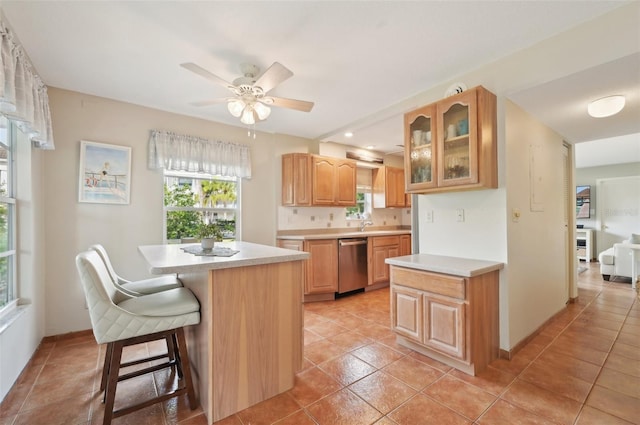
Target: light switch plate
429	216
460	215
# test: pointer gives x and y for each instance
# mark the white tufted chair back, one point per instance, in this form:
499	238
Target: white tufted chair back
105	258
116	315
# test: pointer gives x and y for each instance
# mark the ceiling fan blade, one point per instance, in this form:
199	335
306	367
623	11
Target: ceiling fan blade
273	76
210	102
206	74
299	105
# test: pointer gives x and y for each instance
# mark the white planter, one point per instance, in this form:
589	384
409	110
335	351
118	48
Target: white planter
207	243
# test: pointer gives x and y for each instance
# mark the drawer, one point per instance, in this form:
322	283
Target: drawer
385	240
450	286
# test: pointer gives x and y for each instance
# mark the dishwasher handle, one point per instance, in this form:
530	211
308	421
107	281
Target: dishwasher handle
350	242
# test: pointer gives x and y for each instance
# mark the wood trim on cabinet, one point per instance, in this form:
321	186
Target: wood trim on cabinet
451	286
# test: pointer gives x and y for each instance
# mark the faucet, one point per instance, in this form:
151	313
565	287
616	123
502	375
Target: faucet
365	223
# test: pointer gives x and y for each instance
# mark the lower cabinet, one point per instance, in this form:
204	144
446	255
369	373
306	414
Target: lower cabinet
380	248
405	244
321	270
449	318
322	267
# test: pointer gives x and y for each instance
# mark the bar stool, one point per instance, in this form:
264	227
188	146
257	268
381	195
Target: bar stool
137	287
120	320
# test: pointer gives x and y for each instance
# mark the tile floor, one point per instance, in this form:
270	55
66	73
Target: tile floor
583	368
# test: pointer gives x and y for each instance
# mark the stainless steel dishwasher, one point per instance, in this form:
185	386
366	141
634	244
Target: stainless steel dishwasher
352	264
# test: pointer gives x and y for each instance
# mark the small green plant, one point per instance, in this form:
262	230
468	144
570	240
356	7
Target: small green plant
210	230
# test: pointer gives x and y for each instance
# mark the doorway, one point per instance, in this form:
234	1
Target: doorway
617	210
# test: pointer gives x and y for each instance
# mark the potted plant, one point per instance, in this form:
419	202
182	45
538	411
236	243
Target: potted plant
209	233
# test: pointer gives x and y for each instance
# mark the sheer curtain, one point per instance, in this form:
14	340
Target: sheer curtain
23	95
178	152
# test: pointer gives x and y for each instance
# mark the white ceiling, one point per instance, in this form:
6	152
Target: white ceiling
352	58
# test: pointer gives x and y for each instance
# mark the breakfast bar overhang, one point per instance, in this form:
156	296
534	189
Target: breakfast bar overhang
249	343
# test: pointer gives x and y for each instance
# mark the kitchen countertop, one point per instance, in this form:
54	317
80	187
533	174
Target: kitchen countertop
456	266
166	259
339	235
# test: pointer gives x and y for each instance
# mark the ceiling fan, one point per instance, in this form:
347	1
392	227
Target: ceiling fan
250	99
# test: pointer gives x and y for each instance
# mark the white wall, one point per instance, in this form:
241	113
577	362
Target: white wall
72	227
588	176
536	276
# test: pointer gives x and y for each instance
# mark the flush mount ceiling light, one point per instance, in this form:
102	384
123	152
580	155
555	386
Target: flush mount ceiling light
606	106
348	134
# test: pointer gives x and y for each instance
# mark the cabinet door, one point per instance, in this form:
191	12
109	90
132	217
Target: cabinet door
406	312
296	179
444	326
324	181
394	187
405	244
420	149
345	183
400	194
322	267
287	180
380	270
458	140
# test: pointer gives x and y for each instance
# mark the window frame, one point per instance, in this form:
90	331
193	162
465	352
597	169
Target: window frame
235	209
10	200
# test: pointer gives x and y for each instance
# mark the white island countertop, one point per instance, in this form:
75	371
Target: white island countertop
166	259
456	266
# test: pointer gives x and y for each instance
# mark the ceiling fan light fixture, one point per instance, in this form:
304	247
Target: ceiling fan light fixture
606	106
236	107
262	111
248	117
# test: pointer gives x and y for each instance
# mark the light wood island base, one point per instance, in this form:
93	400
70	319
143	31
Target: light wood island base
248	345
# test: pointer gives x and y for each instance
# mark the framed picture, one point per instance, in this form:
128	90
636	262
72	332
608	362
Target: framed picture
583	201
105	173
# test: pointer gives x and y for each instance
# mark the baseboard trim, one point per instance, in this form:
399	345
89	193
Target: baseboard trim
67	336
508	354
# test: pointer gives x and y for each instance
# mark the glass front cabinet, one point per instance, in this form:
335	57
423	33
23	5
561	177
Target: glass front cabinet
451	144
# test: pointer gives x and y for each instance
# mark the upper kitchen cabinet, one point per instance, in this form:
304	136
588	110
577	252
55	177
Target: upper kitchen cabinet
296	179
420	151
451	144
388	188
312	180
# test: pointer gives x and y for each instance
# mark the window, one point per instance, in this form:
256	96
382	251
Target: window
364	179
190	197
7	214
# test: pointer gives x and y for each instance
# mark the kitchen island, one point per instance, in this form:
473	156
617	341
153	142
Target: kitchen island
447	308
248	345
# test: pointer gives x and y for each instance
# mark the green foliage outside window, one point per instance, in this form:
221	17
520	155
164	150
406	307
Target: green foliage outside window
181	224
186	224
358	210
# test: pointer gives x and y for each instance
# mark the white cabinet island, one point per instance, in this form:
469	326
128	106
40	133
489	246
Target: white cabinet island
249	343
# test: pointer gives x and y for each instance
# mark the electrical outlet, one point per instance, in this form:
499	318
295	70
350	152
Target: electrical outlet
331	216
313	218
429	216
460	215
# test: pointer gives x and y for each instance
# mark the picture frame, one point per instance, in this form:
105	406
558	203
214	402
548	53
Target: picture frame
104	173
583	201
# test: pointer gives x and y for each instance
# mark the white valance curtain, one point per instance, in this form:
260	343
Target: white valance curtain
23	95
178	152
